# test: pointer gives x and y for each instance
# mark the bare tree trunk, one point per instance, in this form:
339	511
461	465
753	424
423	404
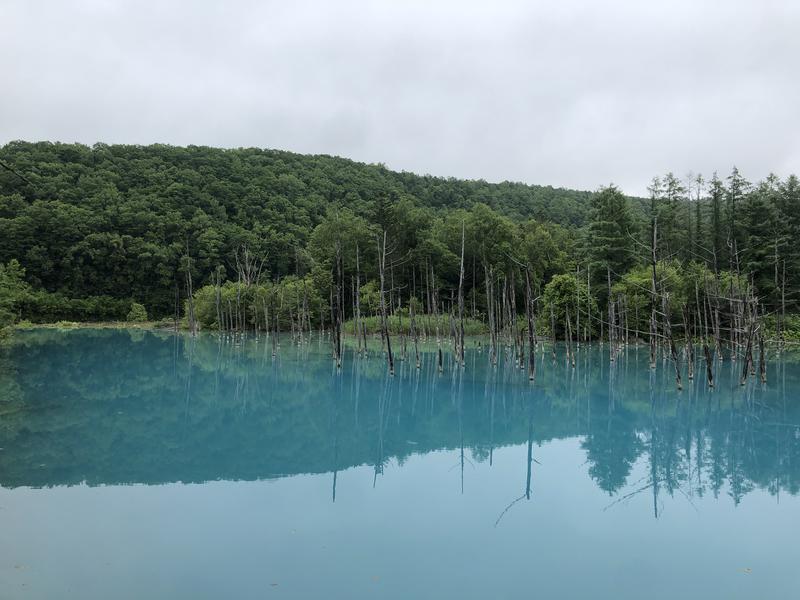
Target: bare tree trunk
435	305
531	332
177	306
413	316
748	352
337	313
762	361
704	322
490	313
653	292
384	323
217	301
689	343
190	296
356	326
570	352
577	303
267	315
782	336
275	335
611	318
672	350
588	303
461	302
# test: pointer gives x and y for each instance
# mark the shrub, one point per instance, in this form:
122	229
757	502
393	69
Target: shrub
43	307
137	314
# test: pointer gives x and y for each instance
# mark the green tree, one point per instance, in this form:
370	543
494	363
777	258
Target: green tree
612	235
736	191
763	237
673	218
719	250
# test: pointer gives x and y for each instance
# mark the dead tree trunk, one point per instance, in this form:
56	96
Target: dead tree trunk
384	320
357	294
531	332
461	302
190	296
653	292
689	343
570	352
762	361
748	352
338	309
704	321
672	350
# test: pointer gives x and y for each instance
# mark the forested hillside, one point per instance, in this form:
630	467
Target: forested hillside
117	220
88	230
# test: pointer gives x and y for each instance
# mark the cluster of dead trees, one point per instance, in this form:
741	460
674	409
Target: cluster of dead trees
718	323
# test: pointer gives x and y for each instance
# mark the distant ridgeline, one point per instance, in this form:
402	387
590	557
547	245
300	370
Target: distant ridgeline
142	407
86	231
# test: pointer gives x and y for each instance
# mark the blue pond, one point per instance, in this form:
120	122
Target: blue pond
152	465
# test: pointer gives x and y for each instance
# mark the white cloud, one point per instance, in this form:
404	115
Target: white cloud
572	93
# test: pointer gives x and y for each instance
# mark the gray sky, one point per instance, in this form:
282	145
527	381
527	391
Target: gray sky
562	92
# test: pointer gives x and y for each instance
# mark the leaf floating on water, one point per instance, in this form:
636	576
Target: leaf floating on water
746	570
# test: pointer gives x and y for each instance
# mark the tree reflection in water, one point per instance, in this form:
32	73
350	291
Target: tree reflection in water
109	407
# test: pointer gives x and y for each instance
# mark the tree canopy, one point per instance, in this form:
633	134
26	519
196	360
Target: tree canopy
95	229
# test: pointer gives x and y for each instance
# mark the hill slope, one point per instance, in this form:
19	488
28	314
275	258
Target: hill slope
115	219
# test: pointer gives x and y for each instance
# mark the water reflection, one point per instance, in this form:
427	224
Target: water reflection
115	407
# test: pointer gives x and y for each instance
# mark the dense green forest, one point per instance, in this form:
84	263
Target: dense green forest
87	231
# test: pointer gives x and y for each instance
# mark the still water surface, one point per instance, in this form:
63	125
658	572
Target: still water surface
146	465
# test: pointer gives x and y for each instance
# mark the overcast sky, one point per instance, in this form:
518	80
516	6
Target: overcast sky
563	92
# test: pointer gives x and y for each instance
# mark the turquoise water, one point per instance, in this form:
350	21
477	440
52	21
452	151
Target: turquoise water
146	465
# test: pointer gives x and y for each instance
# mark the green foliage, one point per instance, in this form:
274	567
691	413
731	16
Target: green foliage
760	218
12	289
343	228
97	226
791	327
115	220
545	248
612	233
137	314
256	305
41	307
683	284
566	295
673	219
636	285
370	298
